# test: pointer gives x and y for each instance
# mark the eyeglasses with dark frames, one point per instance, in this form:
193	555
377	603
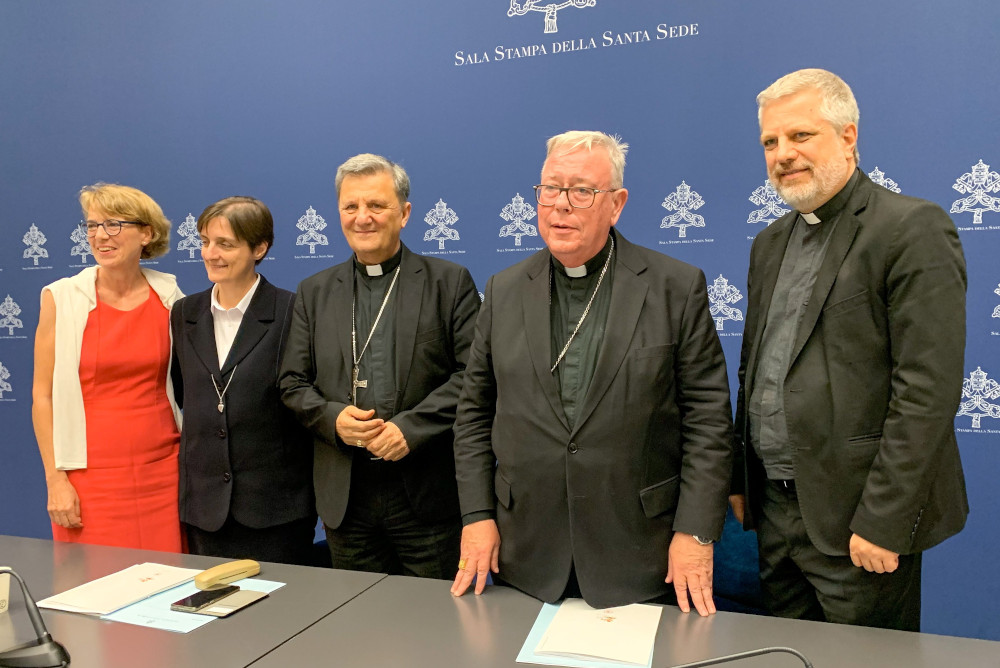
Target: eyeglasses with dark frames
112	227
579	197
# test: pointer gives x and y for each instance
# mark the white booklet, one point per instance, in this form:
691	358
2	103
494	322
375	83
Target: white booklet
623	635
107	594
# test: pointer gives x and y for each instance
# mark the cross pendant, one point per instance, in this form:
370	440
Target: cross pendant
355	384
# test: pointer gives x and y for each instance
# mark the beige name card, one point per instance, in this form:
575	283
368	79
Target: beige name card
4	592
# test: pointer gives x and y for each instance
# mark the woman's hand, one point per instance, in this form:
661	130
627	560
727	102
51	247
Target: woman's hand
64	503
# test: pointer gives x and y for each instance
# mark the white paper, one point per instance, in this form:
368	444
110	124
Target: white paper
528	654
624	634
115	591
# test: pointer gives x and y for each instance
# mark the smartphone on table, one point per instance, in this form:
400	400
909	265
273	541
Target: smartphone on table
202	599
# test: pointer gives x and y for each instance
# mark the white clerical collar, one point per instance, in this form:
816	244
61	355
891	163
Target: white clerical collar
810	218
590	266
243	304
381	268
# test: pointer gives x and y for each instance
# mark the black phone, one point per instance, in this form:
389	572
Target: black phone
202	599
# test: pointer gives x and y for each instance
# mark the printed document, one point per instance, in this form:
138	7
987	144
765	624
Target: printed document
622	635
115	591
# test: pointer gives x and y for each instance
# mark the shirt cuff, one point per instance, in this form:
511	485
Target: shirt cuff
478	516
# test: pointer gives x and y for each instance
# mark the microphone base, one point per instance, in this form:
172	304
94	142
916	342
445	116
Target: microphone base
35	654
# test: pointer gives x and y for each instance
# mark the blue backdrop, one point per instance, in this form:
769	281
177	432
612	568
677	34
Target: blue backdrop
193	101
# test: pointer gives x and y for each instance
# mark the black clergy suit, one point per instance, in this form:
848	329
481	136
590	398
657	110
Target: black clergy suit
649	452
253	461
436	306
874	380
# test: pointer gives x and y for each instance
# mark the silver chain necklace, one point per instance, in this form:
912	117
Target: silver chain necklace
355	355
600	279
222	394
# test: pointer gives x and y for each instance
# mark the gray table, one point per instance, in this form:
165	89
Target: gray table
49	567
412	622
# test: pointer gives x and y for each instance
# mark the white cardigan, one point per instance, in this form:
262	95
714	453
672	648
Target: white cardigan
75	297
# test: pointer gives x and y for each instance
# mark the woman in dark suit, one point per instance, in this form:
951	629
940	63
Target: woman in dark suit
245	464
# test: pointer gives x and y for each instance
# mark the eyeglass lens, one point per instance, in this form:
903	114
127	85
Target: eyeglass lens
581	198
112	227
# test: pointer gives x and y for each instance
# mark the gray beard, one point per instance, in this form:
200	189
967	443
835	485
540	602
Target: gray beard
810	196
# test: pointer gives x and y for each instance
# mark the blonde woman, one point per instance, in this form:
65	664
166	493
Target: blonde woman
103	409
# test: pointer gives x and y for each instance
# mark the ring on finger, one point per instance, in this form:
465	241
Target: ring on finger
461	564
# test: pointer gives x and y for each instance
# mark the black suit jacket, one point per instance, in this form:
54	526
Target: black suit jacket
875	376
435	319
650	453
252	461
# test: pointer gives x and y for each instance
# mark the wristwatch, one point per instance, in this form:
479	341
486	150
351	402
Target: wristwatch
702	541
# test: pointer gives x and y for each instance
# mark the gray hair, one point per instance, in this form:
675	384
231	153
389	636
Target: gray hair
837	105
369	164
570	141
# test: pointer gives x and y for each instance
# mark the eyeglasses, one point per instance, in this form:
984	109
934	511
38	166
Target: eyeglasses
579	197
111	227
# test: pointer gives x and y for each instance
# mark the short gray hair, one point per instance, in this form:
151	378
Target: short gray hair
369	164
837	105
570	141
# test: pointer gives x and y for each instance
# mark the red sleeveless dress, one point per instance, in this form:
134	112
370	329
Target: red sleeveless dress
128	492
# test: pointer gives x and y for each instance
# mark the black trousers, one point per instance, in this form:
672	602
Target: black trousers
290	543
380	533
800	582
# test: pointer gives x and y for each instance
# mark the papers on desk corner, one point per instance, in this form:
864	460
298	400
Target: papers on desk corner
155	613
574	634
115	591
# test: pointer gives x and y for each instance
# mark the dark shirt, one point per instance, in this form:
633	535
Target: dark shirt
378	363
569	298
799	266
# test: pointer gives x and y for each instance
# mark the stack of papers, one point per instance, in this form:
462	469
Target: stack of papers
142	595
574	634
112	592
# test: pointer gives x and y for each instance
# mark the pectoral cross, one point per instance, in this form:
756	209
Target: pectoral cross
355	384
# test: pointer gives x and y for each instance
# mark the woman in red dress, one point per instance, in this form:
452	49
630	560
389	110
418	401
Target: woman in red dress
103	410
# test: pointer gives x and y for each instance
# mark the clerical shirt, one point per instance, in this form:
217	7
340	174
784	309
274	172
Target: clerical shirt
378	363
800	265
569	300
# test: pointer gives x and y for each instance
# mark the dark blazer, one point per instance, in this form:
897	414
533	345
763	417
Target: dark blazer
253	460
649	454
436	310
875	376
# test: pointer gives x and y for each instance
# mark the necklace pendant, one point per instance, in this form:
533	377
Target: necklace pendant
222	400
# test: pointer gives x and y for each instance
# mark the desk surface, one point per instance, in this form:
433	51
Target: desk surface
411	622
49	568
330	617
